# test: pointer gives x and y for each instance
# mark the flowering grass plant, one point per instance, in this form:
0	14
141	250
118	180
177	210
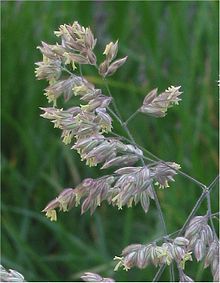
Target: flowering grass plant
136	174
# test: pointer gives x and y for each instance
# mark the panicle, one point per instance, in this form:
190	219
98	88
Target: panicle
157	105
86	124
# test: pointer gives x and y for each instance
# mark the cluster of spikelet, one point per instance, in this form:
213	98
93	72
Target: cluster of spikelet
87	128
198	241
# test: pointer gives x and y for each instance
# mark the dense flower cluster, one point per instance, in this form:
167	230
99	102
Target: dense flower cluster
198	241
143	255
157	105
164	172
85	124
87	127
65	200
203	243
107	68
84	127
78	43
126	186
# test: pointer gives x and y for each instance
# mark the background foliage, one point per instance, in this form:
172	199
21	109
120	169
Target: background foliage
167	43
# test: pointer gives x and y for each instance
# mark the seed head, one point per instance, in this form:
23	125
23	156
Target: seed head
65	201
48	69
164	172
157	105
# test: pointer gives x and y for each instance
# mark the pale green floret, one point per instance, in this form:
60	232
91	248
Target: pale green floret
52	215
119	264
85	107
69	60
80	90
91	162
77	199
63	205
130	202
106	128
107	48
162	187
160	252
67	138
187	257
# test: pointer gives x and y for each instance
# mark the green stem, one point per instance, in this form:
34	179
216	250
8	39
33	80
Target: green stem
125	127
198	203
132	117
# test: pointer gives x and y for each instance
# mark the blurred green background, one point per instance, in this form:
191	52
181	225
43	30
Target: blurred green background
168	43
